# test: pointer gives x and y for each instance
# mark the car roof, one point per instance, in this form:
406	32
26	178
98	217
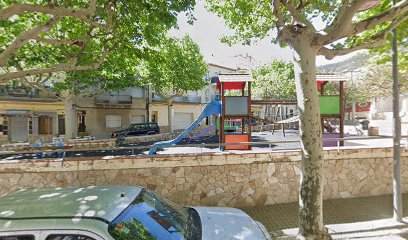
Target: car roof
70	205
143	123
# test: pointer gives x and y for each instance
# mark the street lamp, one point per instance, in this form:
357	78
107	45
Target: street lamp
397	193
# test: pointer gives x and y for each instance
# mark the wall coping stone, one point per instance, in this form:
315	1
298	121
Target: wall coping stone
161	161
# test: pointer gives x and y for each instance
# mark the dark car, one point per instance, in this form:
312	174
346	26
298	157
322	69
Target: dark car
138	129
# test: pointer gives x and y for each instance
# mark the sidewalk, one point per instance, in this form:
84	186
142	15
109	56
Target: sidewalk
355	218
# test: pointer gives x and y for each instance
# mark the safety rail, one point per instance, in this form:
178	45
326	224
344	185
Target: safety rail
202	145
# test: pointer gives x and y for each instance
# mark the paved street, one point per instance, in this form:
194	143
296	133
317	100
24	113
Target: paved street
356	218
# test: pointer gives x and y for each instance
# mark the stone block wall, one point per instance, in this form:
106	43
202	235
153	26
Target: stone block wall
234	180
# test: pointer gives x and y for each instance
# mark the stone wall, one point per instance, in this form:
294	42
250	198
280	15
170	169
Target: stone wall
234	180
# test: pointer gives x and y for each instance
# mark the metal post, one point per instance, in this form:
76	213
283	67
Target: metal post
341	93
353	103
281	117
148	119
397	195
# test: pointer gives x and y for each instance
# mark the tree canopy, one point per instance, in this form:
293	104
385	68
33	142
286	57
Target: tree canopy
311	27
275	80
383	51
329	20
378	79
42	37
175	68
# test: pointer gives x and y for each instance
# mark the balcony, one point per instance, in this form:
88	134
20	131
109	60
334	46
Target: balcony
113	101
24	95
186	99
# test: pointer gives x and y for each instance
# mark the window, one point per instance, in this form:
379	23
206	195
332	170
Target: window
30	126
113	121
68	237
4	126
17	237
135	127
81	121
152	217
144	126
153	125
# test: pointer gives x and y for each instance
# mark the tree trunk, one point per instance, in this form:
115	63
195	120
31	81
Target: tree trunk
70	117
170	114
397	193
311	181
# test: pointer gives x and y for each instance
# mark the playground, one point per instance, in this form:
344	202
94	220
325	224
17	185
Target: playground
232	131
200	145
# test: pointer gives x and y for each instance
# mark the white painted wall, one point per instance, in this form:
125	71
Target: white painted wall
161	108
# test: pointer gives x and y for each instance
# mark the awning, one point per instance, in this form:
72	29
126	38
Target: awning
233	81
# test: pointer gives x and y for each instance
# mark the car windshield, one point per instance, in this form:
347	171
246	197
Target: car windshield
150	216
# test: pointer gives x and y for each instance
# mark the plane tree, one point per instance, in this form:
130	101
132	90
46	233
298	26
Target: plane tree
174	69
311	28
86	40
275	80
378	79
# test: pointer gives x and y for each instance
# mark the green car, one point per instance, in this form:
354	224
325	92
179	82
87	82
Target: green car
116	212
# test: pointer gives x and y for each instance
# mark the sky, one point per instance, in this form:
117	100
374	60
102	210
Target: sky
209	28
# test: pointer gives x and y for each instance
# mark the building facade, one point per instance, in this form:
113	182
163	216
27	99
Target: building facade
103	114
26	113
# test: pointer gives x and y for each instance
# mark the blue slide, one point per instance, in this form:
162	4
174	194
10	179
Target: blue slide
212	108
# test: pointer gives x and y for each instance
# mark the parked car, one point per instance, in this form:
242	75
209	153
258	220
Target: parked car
117	212
138	129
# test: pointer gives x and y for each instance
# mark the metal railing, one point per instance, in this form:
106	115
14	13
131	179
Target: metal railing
202	146
24	94
113	99
186	99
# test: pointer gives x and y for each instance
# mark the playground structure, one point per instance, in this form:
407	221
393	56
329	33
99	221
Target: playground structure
275	115
229	109
234	113
235	109
331	107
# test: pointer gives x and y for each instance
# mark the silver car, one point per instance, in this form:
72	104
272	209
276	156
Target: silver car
116	212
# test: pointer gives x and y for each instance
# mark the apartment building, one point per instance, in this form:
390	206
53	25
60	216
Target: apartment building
103	114
27	112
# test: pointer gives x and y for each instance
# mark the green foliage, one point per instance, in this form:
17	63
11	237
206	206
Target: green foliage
132	230
253	20
384	50
275	80
137	26
177	67
377	82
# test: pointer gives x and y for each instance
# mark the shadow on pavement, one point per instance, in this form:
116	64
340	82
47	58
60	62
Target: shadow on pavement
365	218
